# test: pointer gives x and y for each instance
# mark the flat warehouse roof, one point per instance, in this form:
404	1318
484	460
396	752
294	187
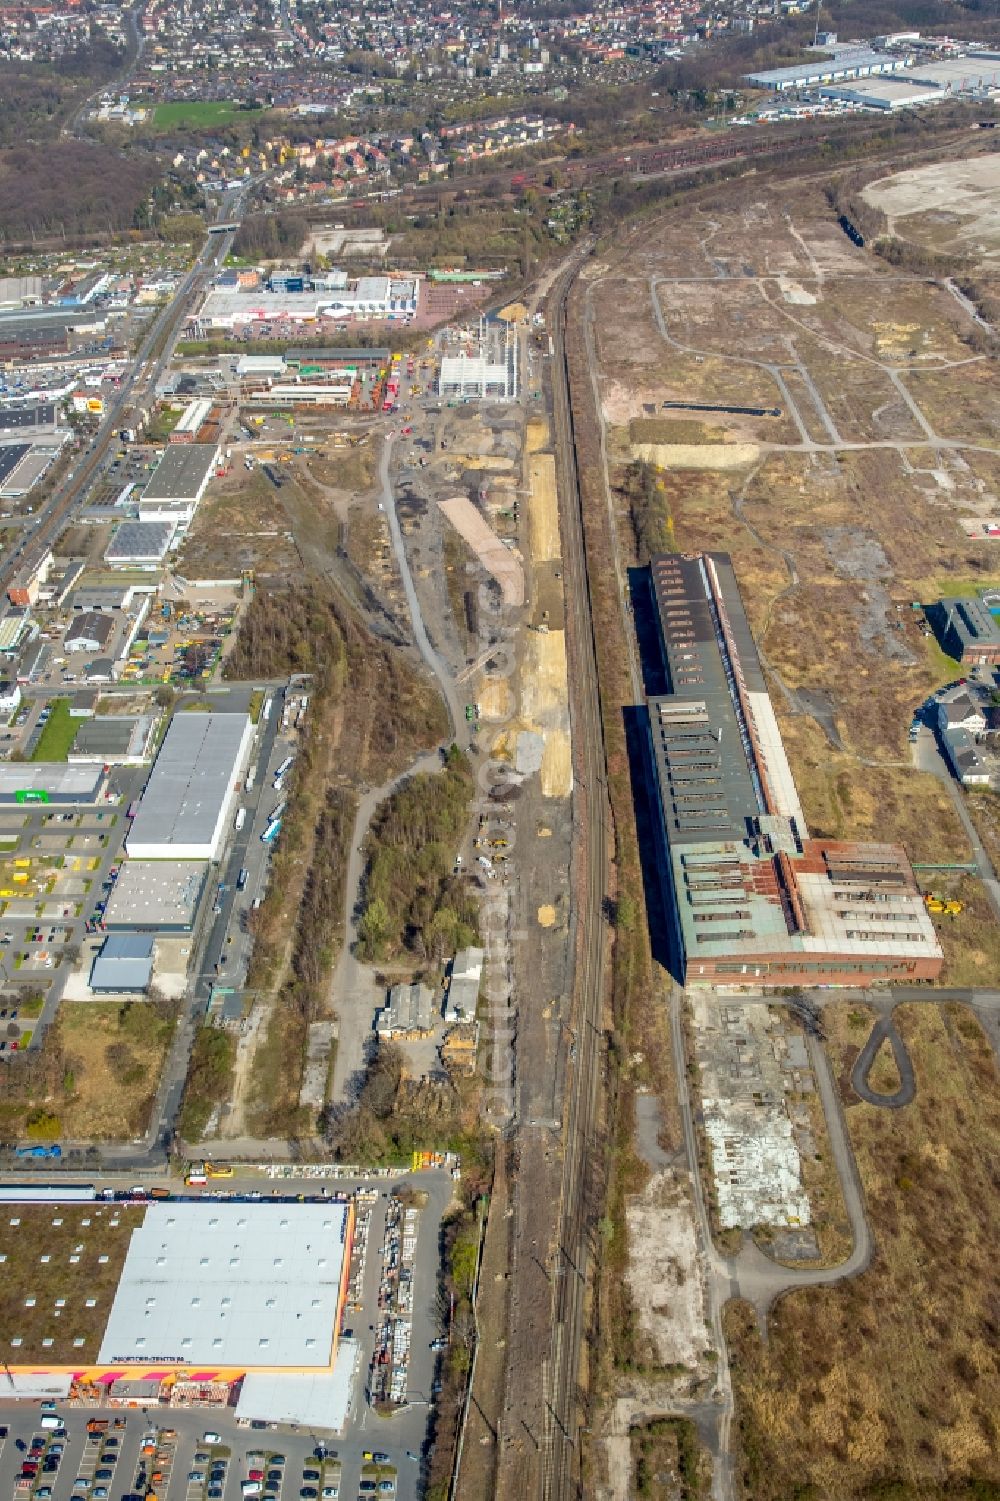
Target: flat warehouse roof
43	415
314	1399
140	539
337	356
182	472
54	777
191	779
10	457
156	894
113	736
239	1285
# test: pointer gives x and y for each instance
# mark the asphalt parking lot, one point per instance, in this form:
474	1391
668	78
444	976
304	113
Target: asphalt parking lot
191	1455
399	1436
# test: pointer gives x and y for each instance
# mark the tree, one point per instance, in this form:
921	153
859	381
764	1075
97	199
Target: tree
464	1259
373	927
381	1082
625	914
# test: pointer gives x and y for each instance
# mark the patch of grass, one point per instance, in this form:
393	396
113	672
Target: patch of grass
884	1075
887	1385
967	588
984	806
201	114
673	430
945	669
971	941
113	1058
842	800
56	739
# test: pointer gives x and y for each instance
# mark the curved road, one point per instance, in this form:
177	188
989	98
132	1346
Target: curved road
884	1028
353	992
752	1275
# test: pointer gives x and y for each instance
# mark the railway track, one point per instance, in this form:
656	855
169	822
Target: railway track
560	1448
650	160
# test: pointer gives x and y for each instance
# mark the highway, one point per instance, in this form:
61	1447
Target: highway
560	1447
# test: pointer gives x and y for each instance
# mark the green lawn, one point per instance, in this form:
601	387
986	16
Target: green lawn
946	669
199	114
964	588
58	735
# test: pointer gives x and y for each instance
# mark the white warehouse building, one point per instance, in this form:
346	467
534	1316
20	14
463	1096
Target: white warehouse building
177	484
380	297
186	804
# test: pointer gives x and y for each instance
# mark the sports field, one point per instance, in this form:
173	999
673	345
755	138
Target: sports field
200	114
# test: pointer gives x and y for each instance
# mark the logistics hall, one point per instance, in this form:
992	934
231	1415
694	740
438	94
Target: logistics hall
755	900
184	810
179	1300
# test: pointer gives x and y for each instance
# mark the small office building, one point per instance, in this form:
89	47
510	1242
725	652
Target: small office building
124	965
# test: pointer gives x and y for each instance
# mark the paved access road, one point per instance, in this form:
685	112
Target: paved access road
884	1028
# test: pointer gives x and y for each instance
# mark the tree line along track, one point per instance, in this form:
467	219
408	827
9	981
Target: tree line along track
652	159
581	1146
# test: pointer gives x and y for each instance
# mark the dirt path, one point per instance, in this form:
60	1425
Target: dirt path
459	728
354	994
234	1121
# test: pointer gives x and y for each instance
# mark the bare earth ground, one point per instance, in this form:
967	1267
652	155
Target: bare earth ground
665	1277
892	1377
239	526
949	205
862	495
840	512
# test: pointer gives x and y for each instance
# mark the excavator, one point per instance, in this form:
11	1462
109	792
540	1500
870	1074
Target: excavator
950	907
